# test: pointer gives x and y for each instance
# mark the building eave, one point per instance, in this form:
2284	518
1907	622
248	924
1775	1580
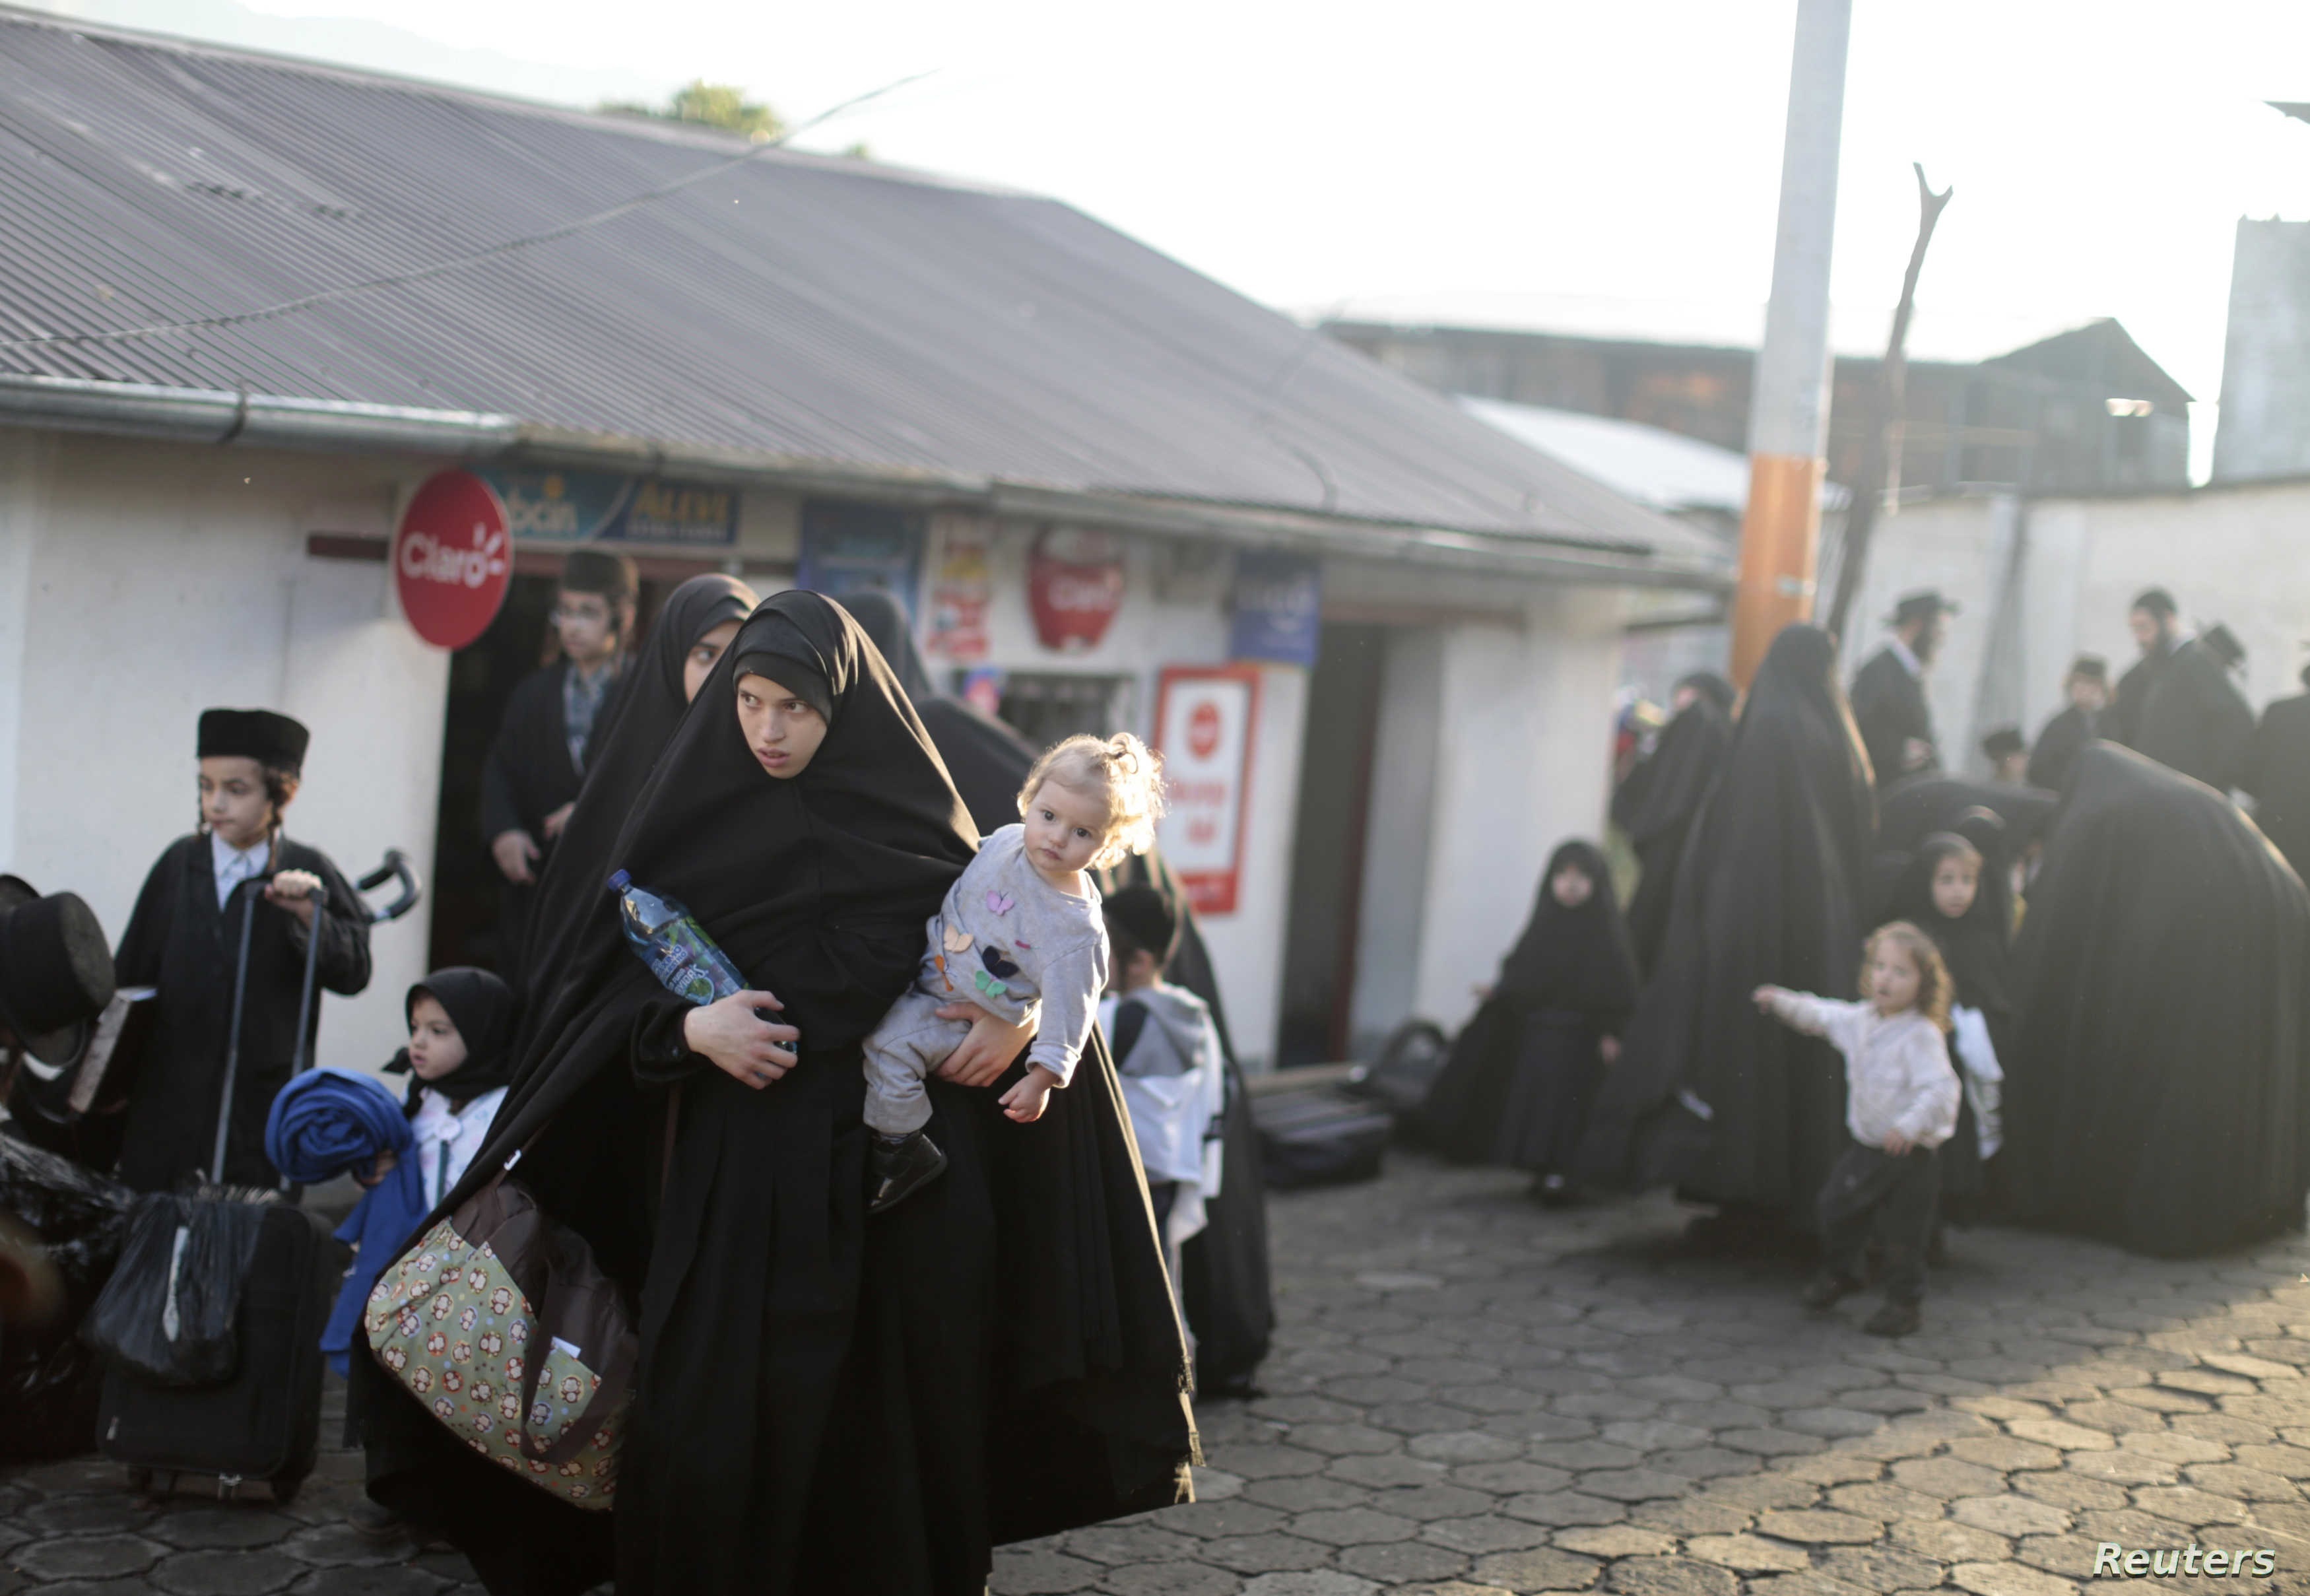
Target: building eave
219	417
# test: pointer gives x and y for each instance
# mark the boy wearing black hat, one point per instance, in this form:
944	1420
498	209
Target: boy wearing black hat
1888	693
1167	1060
2065	736
185	939
2008	756
538	762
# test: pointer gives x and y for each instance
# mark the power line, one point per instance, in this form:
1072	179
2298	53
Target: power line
458	262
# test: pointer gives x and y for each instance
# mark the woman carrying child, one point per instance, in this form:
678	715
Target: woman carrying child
823	1405
1517	1087
1900	1105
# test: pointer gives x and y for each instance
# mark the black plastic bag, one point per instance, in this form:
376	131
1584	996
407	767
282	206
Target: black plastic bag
49	1381
169	1314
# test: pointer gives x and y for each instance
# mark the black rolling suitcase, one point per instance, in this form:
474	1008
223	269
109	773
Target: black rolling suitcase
263	1421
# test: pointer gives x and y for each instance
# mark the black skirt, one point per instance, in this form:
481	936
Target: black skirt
1517	1088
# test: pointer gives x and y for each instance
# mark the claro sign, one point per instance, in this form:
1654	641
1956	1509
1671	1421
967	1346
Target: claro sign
452	559
1074	586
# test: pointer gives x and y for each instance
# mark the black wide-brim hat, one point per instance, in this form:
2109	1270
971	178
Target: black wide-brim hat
2225	645
56	970
272	739
1922	606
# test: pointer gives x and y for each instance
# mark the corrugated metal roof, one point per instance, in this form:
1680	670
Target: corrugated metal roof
796	307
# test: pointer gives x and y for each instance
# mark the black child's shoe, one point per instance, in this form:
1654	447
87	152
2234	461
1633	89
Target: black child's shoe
1826	1289
1894	1319
902	1165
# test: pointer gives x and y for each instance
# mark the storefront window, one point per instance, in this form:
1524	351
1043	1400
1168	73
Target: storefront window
1045	707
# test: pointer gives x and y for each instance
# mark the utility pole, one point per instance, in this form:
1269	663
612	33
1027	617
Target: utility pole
1788	409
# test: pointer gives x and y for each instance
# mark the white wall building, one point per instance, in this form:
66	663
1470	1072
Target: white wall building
825	353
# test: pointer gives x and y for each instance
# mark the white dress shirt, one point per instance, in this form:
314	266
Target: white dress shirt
235	865
447	1138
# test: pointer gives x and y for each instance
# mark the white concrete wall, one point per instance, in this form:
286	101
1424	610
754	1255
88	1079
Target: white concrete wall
1961	546
1523	762
2263	429
159	580
2232	553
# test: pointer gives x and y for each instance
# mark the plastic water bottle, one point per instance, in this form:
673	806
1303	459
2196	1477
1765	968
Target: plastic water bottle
667	937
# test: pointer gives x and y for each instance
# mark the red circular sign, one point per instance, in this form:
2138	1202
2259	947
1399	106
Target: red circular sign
1203	730
452	559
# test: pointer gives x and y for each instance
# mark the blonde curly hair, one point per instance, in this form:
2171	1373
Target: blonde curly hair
1934	988
1127	772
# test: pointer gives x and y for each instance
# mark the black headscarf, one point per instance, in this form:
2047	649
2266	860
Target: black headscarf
1708	1094
639	718
1577	959
1656	805
1976	945
2159	1092
481	1007
986	759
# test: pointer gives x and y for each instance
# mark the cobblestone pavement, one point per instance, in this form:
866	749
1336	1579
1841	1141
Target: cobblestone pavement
1470	1395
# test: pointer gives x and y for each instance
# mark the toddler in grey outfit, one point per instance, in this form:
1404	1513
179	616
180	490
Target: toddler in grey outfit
1020	936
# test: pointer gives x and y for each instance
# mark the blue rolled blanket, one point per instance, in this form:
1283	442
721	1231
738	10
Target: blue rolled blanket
324	1123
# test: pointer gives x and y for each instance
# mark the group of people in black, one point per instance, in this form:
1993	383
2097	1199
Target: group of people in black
2116	961
823	1403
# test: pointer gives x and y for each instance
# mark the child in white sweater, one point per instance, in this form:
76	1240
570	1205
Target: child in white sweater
1900	1104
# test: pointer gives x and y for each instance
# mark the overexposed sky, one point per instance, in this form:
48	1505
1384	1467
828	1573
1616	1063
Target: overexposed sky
1610	166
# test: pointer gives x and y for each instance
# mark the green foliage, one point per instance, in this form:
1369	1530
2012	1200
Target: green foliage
711	105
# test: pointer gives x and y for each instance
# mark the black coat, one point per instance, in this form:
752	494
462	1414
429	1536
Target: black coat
1655	807
2158	1091
2195	720
2123	723
1888	709
527	775
2065	738
1710	1095
2277	774
179	941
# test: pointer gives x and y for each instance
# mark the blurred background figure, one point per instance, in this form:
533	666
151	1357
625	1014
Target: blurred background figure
2087	688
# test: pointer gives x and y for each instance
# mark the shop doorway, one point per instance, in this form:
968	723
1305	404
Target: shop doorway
482	679
1328	841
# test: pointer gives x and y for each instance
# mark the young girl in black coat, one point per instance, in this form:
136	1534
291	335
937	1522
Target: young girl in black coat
1522	1074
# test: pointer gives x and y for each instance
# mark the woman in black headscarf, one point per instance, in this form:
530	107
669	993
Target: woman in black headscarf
1223	1275
1913	809
1708	1094
692	630
2158	1095
1517	1086
823	1405
1656	805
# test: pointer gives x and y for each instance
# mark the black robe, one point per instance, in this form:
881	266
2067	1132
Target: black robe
527	775
1655	807
2064	737
823	1405
1976	948
2277	774
1523	1073
2159	1093
1223	1270
1710	1095
1890	708
628	737
2195	720
2123	723
179	941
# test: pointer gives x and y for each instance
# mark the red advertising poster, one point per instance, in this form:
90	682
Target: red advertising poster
1204	718
1074	586
452	561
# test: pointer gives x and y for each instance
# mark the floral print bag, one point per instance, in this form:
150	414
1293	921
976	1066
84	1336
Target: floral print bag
502	1326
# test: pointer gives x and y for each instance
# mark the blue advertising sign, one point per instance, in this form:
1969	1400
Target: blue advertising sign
1278	607
583	507
850	548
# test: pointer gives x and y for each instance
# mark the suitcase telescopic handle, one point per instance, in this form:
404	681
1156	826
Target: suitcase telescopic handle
395	868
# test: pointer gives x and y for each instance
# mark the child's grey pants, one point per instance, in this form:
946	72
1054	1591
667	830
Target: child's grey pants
909	1043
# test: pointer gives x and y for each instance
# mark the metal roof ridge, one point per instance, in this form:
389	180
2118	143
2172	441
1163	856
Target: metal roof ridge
696	134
